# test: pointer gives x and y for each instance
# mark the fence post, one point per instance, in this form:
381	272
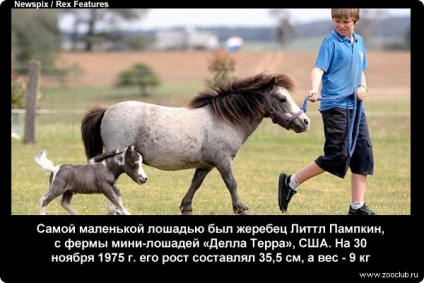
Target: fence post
31	100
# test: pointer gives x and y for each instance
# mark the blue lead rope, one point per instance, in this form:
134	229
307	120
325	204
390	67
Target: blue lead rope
355	120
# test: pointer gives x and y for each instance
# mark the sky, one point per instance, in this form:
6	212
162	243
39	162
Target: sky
165	18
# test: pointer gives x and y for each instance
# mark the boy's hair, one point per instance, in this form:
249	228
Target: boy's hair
344	14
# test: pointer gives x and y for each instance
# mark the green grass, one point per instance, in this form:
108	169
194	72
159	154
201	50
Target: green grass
268	152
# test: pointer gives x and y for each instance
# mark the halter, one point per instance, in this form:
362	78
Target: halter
283	118
354	121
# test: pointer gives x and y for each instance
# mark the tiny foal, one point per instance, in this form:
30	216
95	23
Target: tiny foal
98	176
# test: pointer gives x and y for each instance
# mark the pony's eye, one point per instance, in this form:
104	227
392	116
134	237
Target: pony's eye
282	99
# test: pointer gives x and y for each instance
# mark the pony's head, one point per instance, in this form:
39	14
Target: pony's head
281	107
253	98
133	165
129	160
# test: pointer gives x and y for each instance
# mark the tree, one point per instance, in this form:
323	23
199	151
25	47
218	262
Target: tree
367	18
222	66
407	38
35	35
97	26
139	75
284	27
18	92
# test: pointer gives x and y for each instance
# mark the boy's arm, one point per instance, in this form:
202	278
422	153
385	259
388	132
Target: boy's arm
363	80
316	77
362	90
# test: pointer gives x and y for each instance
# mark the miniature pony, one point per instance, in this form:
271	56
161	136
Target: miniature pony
98	176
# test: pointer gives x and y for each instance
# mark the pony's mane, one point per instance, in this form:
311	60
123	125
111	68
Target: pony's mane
240	99
104	156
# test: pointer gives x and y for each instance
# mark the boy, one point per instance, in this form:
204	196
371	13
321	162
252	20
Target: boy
339	69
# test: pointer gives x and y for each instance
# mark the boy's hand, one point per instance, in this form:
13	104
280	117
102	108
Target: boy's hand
313	95
362	92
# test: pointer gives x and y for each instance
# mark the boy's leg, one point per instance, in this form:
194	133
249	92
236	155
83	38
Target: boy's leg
359	183
285	192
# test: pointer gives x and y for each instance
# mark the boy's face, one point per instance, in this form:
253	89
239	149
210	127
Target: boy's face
344	26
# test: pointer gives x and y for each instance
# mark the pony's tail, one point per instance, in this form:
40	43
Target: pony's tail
90	131
42	160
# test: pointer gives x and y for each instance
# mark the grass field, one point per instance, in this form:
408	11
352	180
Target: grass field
268	152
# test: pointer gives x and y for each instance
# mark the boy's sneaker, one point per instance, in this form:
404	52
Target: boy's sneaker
364	210
285	193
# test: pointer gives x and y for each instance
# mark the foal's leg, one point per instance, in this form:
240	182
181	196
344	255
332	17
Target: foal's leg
66	202
114	195
46	199
198	177
111	208
231	183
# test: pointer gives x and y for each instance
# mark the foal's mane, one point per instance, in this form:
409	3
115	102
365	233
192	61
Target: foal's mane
240	99
101	157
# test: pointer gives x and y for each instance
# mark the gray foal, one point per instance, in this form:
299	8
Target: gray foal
98	176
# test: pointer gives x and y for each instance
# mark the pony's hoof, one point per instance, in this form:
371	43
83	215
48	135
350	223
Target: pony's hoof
186	212
243	212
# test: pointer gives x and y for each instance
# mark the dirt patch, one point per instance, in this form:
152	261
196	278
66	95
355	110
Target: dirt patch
388	76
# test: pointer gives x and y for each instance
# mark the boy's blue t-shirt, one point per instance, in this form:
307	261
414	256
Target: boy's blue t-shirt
343	64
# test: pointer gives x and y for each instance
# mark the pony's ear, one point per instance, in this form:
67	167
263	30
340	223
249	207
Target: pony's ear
129	149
